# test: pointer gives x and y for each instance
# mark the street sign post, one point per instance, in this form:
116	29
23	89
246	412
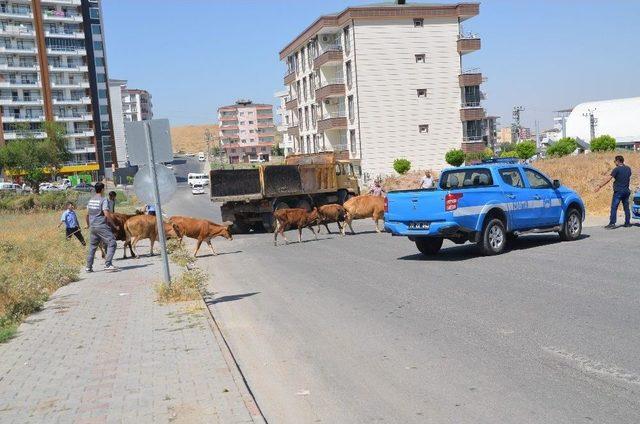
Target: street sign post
146	180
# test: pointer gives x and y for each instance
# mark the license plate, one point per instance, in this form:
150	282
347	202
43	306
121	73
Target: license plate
419	225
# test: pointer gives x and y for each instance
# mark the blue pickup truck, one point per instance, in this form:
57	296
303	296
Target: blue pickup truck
636	205
488	204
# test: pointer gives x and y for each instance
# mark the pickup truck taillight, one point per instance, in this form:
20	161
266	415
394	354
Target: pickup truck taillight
386	204
451	201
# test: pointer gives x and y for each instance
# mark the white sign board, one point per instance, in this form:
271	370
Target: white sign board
160	140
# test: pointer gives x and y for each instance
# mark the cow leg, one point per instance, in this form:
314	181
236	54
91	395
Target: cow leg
325	226
299	234
275	233
341	228
152	240
375	219
211	247
313	231
348	222
134	244
128	243
195	254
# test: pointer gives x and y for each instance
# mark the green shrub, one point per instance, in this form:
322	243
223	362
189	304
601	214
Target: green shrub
603	143
401	166
526	149
509	154
507	147
454	157
563	147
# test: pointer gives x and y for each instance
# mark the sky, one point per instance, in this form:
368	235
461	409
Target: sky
196	55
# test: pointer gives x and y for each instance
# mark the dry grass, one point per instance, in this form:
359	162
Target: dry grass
36	260
190	285
584	173
190	138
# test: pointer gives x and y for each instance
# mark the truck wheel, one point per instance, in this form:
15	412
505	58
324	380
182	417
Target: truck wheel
267	222
240	227
572	227
429	246
493	238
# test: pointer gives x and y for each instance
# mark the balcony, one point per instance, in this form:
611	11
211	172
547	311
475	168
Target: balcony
59	16
20	84
331	88
470	78
16	13
21	118
70	84
71	100
293	131
26	67
229	118
72	117
290	78
331	54
79	148
14	31
66	51
468	43
64	34
332	121
18	50
81	133
69	68
70	2
472	114
14	135
17	101
291	104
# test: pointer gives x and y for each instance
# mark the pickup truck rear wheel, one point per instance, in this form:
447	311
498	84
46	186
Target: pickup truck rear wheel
493	238
572	227
429	246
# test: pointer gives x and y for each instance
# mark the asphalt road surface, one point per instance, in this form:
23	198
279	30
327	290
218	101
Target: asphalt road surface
362	329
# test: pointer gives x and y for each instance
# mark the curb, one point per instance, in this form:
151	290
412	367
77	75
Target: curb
232	364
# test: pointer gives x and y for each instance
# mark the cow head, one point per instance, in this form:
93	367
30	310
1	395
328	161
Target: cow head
226	232
171	230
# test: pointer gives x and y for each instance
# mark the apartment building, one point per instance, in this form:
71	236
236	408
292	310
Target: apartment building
284	120
385	81
53	68
136	105
247	131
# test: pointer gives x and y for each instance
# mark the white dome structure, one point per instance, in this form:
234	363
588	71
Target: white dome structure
619	118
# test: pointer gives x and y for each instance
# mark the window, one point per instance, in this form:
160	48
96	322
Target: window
250	122
99	61
421	58
306	117
104	110
536	179
511	176
422	92
94	13
101	78
352	140
350	107
96	29
347	66
304	87
419	22
102	94
97	45
347	40
313	115
303	58
423	129
466	178
105	125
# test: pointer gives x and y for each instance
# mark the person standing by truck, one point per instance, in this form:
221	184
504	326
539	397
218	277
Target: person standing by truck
426	181
99	231
621	176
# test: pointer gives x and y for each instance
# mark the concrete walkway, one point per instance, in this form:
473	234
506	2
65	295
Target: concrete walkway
103	351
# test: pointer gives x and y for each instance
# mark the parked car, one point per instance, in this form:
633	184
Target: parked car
197	178
10	188
257	160
197	189
488	204
50	187
84	187
201	156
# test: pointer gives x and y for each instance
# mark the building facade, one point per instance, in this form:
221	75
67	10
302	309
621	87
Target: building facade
136	105
53	68
284	122
385	81
247	131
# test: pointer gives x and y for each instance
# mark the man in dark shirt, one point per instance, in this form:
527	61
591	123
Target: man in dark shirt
621	176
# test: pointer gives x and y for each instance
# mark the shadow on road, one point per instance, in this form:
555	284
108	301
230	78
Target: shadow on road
211	301
208	255
123	268
470	251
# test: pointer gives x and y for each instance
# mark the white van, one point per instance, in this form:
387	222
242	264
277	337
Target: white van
201	156
195	178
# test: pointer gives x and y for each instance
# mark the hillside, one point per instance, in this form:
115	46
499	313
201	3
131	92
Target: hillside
190	138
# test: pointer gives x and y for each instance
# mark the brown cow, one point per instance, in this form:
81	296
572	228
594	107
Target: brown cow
331	213
144	227
294	218
363	207
116	222
201	230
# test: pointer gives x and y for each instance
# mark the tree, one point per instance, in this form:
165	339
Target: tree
30	156
526	149
478	156
507	147
401	166
563	147
508	154
454	157
603	143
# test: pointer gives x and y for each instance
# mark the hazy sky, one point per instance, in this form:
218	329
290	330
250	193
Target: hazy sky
195	55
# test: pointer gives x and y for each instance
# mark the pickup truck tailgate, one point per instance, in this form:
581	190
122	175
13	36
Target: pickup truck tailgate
416	205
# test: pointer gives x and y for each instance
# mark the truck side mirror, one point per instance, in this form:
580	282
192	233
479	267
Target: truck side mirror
556	184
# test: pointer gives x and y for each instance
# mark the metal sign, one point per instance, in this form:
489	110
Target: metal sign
160	133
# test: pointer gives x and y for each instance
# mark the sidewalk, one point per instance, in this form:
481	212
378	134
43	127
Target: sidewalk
102	351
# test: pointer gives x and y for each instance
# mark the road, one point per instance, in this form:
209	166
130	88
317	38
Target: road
362	329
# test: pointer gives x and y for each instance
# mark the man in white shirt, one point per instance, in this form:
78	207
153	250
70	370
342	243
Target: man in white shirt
426	181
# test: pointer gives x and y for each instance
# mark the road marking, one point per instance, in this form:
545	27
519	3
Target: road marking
595	367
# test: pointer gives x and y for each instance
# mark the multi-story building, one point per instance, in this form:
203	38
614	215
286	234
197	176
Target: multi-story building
134	105
506	135
287	141
246	131
53	68
385	81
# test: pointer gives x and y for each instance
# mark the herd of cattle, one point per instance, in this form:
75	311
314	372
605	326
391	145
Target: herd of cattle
133	228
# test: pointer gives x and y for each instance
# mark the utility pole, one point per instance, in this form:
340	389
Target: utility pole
593	122
207	139
515	127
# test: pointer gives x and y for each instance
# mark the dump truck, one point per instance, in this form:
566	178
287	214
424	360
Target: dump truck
249	196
